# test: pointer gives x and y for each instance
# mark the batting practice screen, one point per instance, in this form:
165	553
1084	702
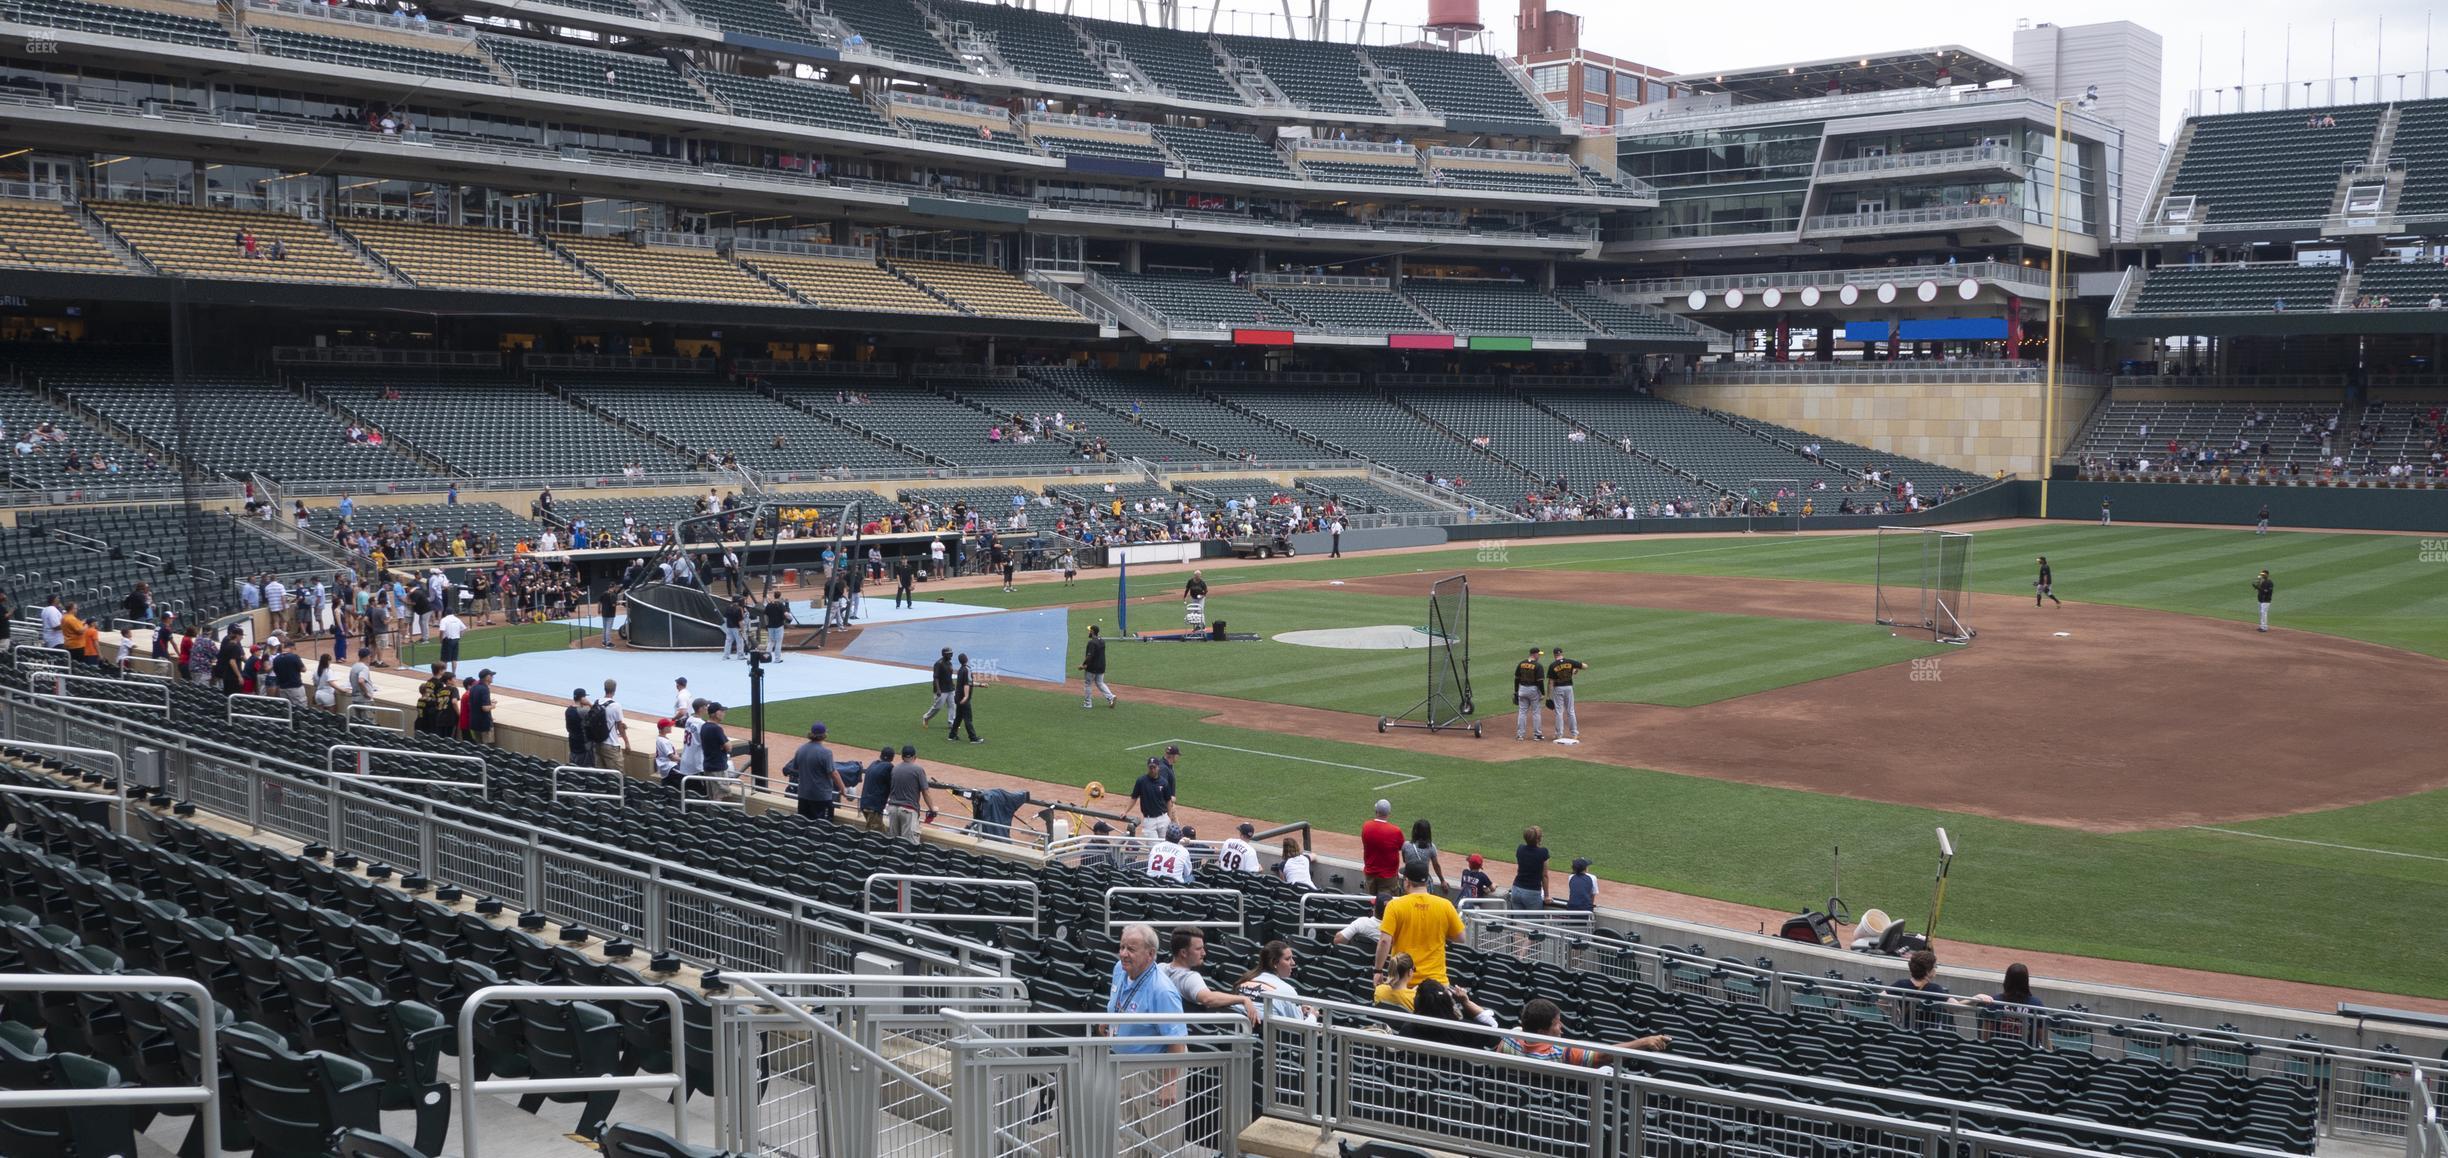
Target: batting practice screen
1920	581
1449	703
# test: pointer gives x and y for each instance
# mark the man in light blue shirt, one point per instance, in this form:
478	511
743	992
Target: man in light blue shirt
1151	1096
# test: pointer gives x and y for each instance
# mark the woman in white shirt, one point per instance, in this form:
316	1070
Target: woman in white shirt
1271	984
1295	867
327	685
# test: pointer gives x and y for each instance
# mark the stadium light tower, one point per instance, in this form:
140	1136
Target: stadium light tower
2056	316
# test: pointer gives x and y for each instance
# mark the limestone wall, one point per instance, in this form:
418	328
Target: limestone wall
1979	428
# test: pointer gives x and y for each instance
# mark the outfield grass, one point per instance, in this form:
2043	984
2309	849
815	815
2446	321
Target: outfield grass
496	642
2183	897
1640	655
2341	897
2370	587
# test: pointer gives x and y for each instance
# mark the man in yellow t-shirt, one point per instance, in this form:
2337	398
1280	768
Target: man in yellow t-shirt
1421	924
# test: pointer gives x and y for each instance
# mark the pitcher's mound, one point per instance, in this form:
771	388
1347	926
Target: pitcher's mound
1383	637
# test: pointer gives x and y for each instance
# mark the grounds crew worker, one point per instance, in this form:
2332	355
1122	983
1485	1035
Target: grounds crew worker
1560	694
1529	683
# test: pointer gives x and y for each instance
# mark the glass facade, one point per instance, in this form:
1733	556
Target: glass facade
1723	182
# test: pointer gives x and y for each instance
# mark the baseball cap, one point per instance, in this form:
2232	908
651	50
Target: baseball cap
578	693
816	729
1101	828
486	674
1415	872
909	750
1173	832
1247	829
1172	749
660	724
1477	860
1189	832
1581	864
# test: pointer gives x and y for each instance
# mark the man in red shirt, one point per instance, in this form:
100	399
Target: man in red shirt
1381	843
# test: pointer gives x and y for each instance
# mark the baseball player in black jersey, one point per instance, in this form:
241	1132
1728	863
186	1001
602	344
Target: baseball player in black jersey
1529	684
2263	529
1560	675
2262	590
904	573
1196	588
943	687
2044	587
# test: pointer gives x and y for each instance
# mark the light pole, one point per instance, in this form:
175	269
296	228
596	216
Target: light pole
2056	306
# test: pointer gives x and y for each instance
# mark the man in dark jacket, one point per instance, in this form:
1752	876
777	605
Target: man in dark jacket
574	725
1092	671
812	777
875	786
777	617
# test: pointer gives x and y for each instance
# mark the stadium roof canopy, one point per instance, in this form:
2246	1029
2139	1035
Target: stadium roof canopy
1950	64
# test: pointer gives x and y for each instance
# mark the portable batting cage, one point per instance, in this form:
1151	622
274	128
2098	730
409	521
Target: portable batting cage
1919	578
1449	703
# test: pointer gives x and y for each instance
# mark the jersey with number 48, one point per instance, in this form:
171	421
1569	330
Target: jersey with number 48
1169	860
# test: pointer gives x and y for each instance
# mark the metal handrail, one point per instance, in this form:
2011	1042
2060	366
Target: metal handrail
331	767
287	715
676	1081
61	680
1367	901
620	783
206	1096
867	898
369	711
710	800
1240	905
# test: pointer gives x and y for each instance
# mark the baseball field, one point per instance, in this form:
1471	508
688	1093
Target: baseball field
2136	775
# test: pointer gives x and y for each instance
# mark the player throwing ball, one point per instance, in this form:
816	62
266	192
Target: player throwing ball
1529	686
2045	587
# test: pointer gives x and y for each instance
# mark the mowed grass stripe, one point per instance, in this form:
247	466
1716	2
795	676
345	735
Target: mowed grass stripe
2169	898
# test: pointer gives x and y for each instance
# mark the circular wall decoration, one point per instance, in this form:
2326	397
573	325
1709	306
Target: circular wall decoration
1698	300
1848	294
1928	291
1772	298
1886	291
1733	299
1968	289
1810	295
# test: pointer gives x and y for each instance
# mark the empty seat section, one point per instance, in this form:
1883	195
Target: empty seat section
47	235
1364	424
843	284
489	426
470	257
766	18
1494	307
797	101
1025	400
1622	319
896	28
1347	169
46	463
1183	64
1362	310
716	418
1463	85
929	422
1928	478
670	272
1685	438
592	72
2272	166
2179	289
1558	180
189	241
1542	443
481	525
1225	151
1200	303
2408	285
1321	77
440	56
235	425
1038	45
161	545
1360	496
2422	141
199	29
1062	140
946	128
985	290
1151	399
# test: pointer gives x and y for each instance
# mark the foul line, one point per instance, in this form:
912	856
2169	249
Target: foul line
2320	843
1407	778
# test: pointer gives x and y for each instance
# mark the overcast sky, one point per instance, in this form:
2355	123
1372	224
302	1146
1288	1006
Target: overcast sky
2231	41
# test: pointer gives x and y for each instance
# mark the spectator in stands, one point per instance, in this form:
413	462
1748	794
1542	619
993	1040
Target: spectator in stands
1421	850
1381	843
1296	864
1168	859
1188	953
1529	889
908	796
289	675
1149	1117
1419	923
1476	882
812	777
573	724
1443	1013
1366	928
1399	984
1544	1019
875	787
1236	854
1581	889
1915	999
1271	981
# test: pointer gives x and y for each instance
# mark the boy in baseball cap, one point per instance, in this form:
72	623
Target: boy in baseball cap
1475	880
1583	897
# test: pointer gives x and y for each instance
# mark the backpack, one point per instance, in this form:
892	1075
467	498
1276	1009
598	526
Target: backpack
598	726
